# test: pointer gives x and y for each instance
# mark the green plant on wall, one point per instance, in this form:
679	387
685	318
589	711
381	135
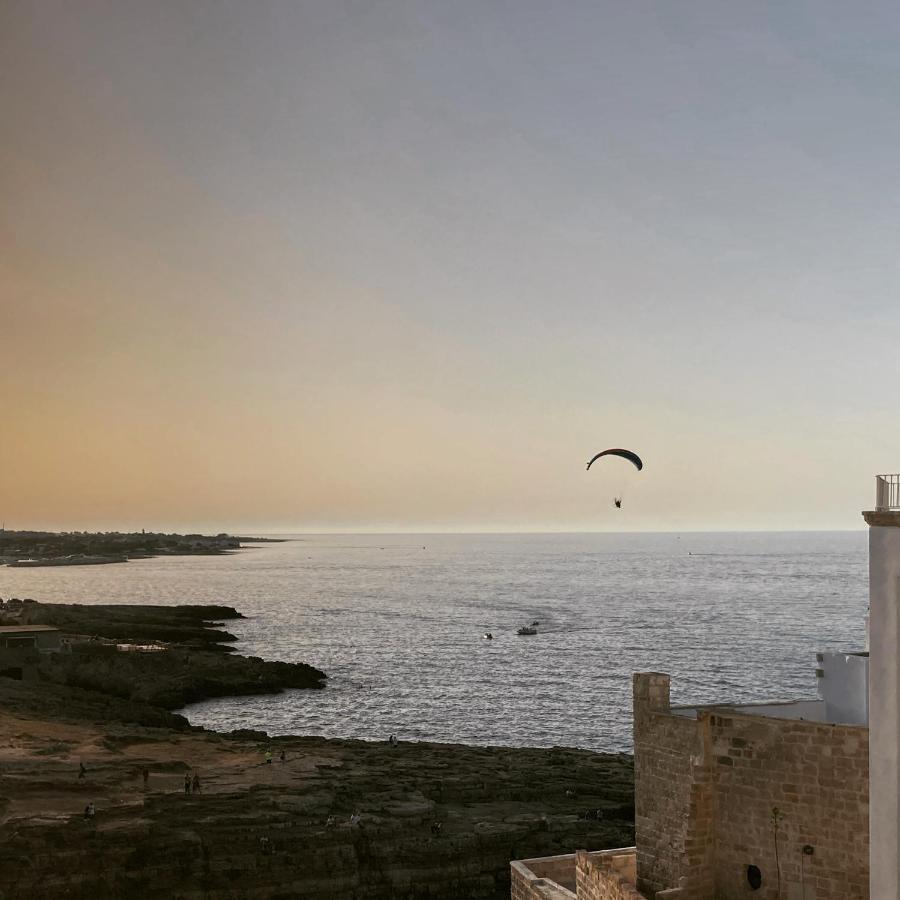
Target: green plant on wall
775	818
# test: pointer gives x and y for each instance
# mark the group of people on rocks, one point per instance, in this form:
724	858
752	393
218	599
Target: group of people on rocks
191	785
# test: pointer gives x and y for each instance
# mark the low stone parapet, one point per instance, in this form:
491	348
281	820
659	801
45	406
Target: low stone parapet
596	875
547	878
607	875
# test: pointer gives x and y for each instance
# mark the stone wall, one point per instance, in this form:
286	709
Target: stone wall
598	875
673	800
530	878
785	785
609	875
716	794
560	869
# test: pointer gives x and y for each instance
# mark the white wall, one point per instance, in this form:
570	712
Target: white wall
844	686
884	711
808	710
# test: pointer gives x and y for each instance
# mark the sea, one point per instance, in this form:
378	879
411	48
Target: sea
398	622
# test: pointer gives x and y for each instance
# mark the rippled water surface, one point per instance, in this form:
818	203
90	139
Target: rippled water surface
397	623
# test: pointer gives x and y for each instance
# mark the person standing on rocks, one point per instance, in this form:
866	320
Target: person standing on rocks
82	771
187	785
195	784
282	755
269	756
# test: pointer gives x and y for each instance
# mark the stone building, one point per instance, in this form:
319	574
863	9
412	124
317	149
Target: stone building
767	800
21	647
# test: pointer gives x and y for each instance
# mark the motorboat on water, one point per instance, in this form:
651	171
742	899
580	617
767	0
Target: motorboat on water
527	629
488	636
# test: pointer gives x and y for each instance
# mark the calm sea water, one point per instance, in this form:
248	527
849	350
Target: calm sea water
397	623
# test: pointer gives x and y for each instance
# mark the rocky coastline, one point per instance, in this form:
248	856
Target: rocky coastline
33	549
332	819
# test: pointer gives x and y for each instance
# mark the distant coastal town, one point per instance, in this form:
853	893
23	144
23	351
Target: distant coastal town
82	548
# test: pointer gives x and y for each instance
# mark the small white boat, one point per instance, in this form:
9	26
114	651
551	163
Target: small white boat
527	629
488	636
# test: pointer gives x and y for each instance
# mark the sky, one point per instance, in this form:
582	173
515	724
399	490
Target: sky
355	266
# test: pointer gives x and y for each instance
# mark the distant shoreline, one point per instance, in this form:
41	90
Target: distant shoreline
39	549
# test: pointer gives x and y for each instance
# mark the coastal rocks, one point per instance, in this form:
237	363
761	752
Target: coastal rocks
291	829
133	663
62	703
136	624
275	817
172	679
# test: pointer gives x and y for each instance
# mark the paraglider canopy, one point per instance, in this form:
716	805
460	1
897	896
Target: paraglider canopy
625	454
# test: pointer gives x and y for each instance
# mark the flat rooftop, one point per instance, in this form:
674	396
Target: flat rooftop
26	629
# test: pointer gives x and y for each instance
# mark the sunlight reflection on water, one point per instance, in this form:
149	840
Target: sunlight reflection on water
398	628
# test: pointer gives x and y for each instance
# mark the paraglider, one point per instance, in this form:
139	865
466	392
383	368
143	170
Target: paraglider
630	455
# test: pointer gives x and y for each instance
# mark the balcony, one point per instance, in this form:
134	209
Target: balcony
887	493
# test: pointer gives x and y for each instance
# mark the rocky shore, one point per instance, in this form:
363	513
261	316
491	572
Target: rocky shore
430	821
136	661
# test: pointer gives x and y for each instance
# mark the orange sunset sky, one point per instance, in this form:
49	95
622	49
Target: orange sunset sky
407	266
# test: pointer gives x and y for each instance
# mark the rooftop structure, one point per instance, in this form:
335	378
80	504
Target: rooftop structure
45	638
21	647
25	629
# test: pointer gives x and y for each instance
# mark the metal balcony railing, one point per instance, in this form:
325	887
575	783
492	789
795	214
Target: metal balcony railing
887	492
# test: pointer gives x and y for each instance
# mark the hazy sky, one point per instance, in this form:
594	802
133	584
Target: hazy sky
400	265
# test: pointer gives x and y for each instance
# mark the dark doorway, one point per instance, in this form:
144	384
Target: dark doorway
754	877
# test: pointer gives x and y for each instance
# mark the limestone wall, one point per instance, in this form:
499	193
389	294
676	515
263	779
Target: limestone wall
817	778
598	875
560	869
609	875
533	879
670	782
726	791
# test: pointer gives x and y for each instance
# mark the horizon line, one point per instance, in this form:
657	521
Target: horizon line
264	532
